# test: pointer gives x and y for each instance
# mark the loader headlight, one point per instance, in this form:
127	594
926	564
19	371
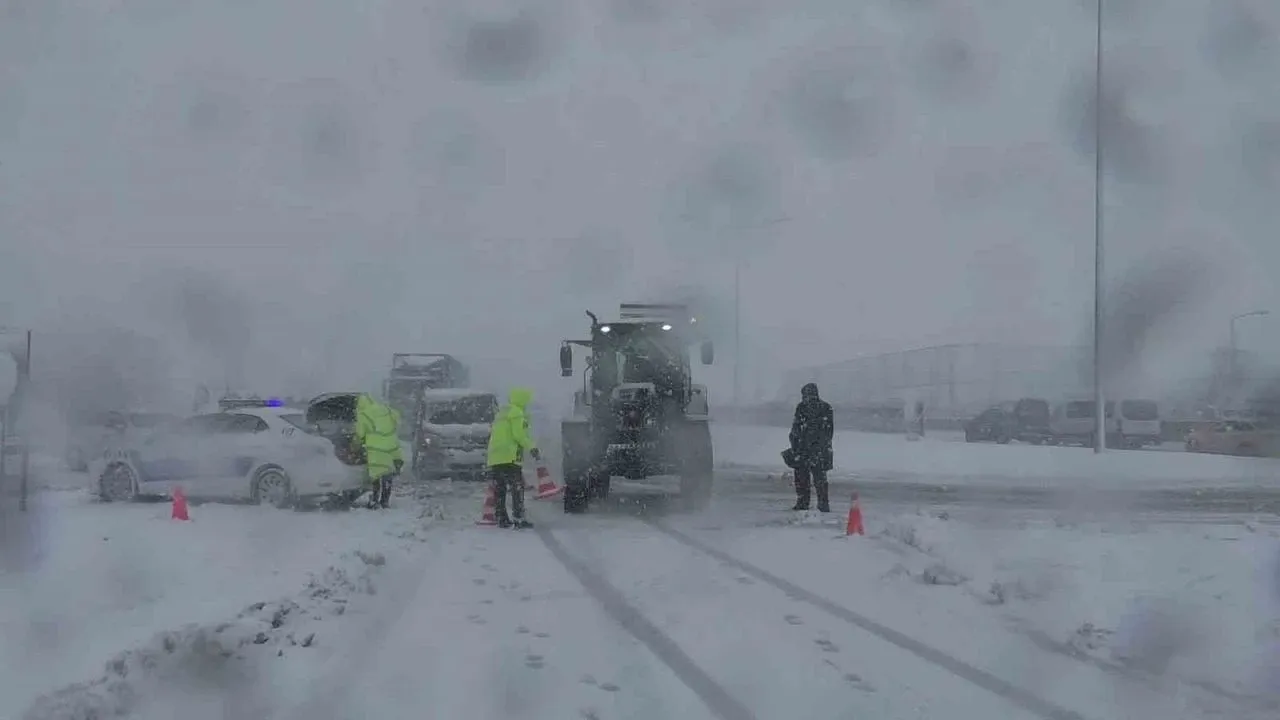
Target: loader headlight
666	327
605	328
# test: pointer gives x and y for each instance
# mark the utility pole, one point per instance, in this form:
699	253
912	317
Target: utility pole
737	307
1233	366
737	326
1099	399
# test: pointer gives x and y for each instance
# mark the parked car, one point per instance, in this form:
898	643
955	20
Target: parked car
1026	419
1234	437
87	441
264	454
451	433
995	424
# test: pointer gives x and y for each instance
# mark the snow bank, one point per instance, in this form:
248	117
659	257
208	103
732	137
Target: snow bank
1195	603
933	459
214	670
95	579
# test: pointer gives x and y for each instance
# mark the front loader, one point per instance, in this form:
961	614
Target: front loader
638	414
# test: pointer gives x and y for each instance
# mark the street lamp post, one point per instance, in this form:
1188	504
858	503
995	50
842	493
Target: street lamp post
1100	415
1233	367
737	310
737	293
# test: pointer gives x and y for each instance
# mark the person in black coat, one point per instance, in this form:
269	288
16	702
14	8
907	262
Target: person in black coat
811	434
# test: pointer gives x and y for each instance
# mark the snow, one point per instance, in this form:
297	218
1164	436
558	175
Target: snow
1172	605
96	579
254	612
945	461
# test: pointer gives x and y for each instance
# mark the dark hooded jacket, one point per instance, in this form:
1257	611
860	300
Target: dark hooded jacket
812	430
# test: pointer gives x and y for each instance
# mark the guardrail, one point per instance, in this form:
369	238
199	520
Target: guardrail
863	420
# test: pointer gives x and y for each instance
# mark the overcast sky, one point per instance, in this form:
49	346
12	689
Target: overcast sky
281	189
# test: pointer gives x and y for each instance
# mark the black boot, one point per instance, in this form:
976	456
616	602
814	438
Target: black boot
802	489
821	486
500	500
384	494
522	524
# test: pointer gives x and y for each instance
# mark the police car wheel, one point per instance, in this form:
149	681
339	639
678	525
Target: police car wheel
118	484
272	486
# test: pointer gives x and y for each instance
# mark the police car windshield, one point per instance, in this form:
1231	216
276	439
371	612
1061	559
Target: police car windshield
472	410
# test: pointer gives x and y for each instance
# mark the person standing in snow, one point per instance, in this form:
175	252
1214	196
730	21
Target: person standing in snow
508	441
376	432
811	435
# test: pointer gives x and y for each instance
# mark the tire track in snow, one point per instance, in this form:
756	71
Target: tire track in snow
717	699
977	676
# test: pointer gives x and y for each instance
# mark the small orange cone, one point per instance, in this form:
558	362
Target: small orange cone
487	516
547	487
854	525
180	505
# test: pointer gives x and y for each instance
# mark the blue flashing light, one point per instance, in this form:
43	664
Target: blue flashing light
275	402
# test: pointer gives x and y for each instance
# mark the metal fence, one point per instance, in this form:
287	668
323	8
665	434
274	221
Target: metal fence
14	450
959	380
952	380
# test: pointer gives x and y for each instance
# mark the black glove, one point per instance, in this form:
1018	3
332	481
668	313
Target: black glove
535	454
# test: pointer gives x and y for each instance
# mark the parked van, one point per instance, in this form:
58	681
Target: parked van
1137	424
1072	422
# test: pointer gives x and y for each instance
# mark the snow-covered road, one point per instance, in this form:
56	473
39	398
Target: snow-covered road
945	609
610	617
617	616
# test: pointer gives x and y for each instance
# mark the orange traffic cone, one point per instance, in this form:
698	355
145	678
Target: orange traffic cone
180	505
854	525
547	487
487	516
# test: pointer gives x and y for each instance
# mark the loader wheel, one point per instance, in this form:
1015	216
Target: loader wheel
598	488
575	459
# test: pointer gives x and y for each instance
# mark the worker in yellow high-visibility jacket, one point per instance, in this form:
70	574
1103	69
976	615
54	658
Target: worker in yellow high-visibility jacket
376	431
509	439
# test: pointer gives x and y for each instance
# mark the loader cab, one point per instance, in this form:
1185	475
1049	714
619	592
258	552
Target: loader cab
630	352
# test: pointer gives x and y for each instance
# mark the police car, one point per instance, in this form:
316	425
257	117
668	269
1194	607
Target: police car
260	451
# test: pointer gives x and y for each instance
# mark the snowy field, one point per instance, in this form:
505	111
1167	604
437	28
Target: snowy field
945	458
746	611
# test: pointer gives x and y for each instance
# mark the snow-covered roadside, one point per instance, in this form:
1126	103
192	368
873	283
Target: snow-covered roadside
122	607
1197	604
938	460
